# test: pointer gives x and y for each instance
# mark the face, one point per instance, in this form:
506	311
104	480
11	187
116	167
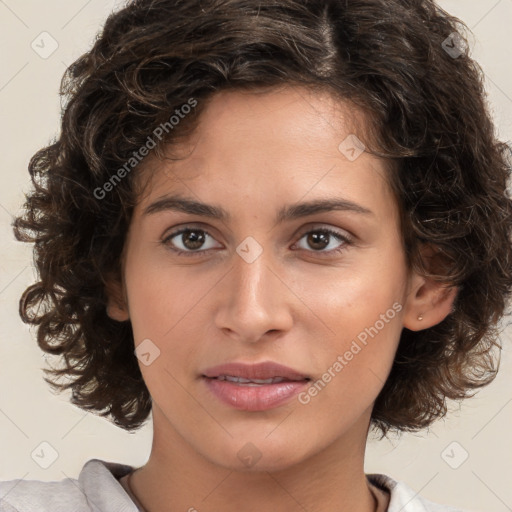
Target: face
321	290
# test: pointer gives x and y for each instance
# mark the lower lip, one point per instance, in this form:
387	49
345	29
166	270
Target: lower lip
254	398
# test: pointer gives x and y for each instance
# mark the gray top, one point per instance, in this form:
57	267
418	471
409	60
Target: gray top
98	489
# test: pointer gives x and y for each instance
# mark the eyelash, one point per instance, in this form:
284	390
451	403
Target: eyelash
342	238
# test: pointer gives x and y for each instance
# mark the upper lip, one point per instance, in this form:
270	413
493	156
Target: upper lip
265	370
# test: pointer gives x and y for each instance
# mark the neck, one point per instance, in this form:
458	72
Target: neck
177	478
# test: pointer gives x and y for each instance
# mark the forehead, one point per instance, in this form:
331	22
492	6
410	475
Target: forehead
268	146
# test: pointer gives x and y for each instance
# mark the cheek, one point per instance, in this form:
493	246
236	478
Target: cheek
350	300
361	318
162	298
167	307
357	359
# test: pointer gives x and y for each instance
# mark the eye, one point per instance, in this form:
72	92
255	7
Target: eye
320	239
188	241
192	241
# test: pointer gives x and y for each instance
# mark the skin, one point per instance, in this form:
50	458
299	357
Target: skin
296	304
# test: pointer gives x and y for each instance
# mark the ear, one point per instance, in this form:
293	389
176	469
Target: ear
428	299
117	304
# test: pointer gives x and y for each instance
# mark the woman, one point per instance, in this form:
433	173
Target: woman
274	226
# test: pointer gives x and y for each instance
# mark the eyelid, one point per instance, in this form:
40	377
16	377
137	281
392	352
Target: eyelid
326	227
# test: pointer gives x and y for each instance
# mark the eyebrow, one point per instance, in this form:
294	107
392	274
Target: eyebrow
286	213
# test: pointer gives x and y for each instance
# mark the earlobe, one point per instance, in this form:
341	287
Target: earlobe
431	305
429	301
117	308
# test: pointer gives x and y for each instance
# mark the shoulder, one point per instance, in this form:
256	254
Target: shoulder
405	499
33	495
96	489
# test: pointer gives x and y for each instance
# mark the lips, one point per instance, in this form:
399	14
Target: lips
261	373
256	387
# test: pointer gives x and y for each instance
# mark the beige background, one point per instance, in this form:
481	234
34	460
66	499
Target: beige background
31	414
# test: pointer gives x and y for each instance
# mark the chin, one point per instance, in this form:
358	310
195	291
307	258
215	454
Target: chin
258	456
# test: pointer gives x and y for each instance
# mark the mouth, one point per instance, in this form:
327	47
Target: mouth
256	387
254	382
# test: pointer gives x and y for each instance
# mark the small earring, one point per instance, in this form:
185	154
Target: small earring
420	317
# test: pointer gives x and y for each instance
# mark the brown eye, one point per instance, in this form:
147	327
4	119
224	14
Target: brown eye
188	241
192	239
317	240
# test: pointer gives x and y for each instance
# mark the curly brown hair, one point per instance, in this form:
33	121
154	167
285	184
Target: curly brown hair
430	121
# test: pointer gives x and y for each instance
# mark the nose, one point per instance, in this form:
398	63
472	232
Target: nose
256	301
